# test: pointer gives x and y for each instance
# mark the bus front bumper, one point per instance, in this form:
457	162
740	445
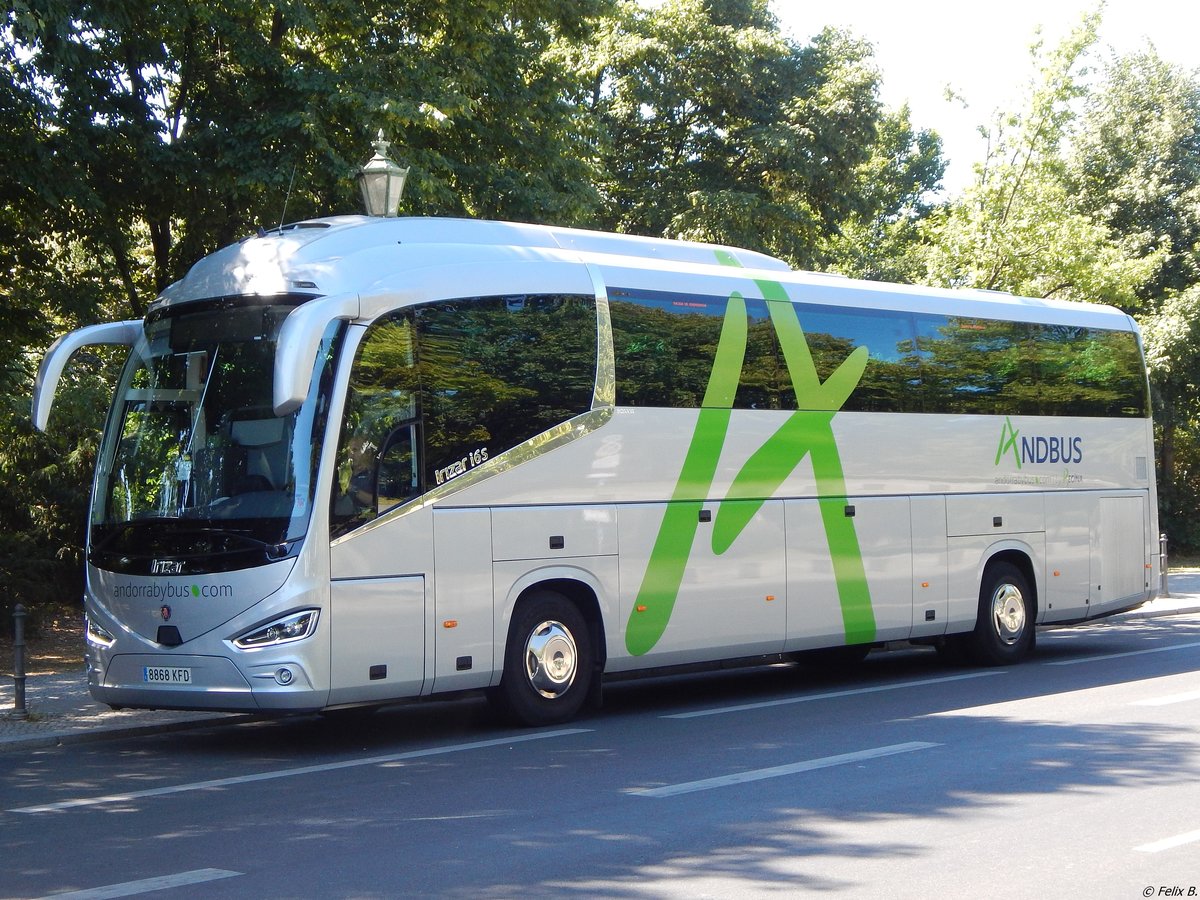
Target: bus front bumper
195	682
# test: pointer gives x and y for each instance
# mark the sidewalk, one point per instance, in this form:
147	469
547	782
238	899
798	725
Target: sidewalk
61	711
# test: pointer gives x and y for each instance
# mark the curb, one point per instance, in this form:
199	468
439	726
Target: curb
1160	613
107	732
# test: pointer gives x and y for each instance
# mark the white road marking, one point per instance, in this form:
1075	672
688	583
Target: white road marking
706	784
850	692
302	770
1170	843
146	885
1088	659
1169	699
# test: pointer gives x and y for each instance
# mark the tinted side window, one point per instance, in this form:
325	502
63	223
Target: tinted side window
982	366
891	378
437	390
665	345
381	404
1087	372
977	366
496	371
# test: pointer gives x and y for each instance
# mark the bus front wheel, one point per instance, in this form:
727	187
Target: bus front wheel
1004	629
548	663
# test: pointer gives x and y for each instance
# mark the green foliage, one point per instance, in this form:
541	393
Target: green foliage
881	239
1019	227
719	129
44	485
1093	193
1136	165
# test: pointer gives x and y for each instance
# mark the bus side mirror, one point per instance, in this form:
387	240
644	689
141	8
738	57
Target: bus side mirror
118	333
296	349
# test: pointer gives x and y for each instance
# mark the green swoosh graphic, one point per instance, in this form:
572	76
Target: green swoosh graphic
806	432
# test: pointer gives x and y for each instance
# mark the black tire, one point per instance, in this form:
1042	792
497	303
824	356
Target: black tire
548	661
1004	629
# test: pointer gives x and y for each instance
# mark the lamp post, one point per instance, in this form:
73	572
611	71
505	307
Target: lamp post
381	181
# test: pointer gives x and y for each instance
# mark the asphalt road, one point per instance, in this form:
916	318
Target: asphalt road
1074	775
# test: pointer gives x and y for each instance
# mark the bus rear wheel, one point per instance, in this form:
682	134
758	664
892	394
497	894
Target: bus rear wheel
1004	628
548	663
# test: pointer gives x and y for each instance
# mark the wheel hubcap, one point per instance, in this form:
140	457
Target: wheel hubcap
551	659
1008	613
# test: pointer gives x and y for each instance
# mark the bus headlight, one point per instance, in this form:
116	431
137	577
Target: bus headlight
295	627
98	636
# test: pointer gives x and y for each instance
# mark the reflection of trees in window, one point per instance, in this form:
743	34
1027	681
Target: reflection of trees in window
1010	368
890	379
977	366
496	371
665	345
1097	371
468	378
765	383
380	397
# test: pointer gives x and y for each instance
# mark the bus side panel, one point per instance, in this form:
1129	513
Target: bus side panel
1068	556
882	552
398	552
728	604
931	603
1119	573
814	613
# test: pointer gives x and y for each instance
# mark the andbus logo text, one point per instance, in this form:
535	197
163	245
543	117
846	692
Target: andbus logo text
1038	449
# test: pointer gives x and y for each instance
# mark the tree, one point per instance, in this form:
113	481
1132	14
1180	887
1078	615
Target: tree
1135	165
1172	341
720	129
881	240
1018	227
198	123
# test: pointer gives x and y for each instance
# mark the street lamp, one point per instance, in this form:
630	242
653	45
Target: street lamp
381	181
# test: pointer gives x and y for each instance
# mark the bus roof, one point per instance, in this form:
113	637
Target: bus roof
353	254
290	259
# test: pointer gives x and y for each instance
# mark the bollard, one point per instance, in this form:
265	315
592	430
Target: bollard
1162	564
19	711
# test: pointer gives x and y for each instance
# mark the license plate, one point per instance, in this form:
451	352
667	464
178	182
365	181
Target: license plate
166	675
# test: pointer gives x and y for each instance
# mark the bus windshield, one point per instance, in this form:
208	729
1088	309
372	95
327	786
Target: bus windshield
197	473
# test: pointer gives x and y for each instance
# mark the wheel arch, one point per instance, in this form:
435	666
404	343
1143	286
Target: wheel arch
576	585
